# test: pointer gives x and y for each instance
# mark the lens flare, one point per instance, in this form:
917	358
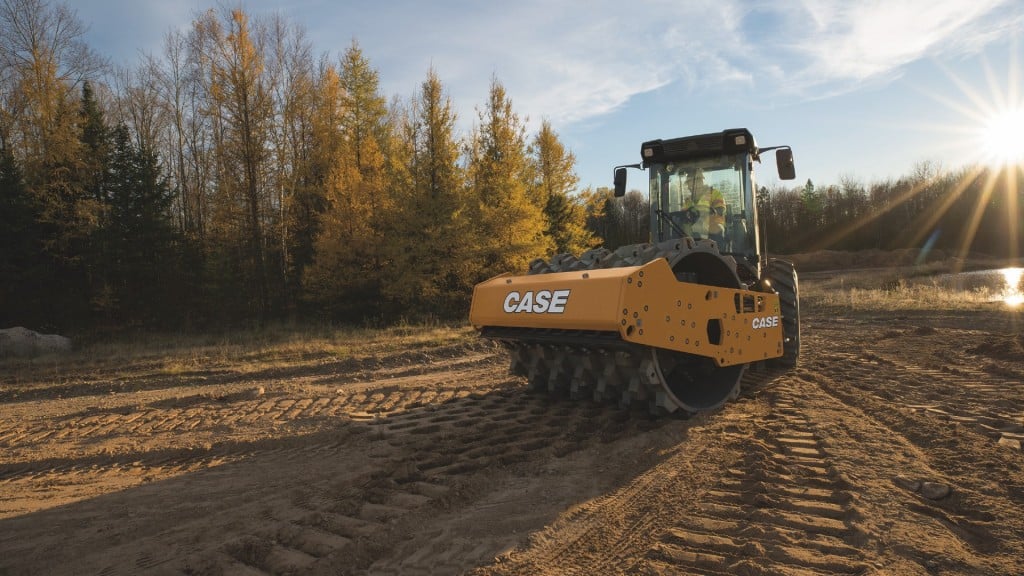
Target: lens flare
1001	135
1012	294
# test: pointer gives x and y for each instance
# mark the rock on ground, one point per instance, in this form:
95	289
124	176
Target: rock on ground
20	341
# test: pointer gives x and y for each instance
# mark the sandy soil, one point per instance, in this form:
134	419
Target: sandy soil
893	449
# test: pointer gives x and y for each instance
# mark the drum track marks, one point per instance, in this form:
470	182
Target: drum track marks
783	509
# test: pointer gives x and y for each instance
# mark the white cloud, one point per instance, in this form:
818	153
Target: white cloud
571	60
847	43
565	61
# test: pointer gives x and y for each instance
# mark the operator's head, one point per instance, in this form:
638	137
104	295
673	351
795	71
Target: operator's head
695	179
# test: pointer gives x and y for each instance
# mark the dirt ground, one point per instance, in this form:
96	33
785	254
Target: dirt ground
894	448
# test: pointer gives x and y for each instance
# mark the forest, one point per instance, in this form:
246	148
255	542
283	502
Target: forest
237	178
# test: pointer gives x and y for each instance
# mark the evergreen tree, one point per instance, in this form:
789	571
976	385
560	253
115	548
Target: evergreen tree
20	256
95	142
93	171
140	235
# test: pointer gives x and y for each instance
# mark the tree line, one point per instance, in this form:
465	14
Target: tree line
960	212
238	178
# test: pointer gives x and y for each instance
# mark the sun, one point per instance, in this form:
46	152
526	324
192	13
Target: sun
1002	137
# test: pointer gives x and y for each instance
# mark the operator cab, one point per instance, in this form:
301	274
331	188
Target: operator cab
702	187
704	198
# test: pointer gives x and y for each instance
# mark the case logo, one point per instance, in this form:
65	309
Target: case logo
539	302
766	322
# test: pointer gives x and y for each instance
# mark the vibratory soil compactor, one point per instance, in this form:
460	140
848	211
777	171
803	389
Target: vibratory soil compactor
671	324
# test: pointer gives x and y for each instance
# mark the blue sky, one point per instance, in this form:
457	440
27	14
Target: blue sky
859	89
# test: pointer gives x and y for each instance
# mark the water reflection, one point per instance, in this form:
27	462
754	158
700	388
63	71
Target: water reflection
997	285
1012	294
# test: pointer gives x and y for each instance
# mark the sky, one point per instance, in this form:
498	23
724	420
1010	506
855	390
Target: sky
862	90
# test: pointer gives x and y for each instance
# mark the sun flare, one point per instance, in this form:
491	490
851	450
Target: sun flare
1003	137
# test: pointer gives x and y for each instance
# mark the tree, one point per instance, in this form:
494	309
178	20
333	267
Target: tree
633	218
616	222
139	235
293	92
180	81
42	62
242	109
554	167
92	198
21	262
95	145
511	220
433	267
347	273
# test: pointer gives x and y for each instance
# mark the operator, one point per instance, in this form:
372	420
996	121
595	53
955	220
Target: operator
705	208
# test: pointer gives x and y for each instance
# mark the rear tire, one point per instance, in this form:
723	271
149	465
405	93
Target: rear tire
782	275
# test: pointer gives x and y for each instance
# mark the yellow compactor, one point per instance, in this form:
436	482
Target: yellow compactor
673	323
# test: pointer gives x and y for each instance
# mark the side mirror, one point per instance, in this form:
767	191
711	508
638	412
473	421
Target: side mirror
620	182
784	162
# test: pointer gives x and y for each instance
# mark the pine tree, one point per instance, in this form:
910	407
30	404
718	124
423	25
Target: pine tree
139	234
95	139
22	262
92	179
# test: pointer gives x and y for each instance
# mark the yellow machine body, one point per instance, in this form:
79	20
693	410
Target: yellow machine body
645	305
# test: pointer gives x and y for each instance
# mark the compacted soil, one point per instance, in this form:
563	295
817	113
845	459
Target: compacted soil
894	448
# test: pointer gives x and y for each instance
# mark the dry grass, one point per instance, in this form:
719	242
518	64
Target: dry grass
911	297
237	352
899	280
928	287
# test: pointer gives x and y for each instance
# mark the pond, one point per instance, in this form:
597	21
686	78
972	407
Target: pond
1004	284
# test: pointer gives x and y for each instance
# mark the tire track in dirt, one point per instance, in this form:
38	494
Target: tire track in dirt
202	416
752	489
993	406
421	438
605	532
499	431
318	525
318	530
421	454
316	369
919	469
815	486
461	441
206	411
782	509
